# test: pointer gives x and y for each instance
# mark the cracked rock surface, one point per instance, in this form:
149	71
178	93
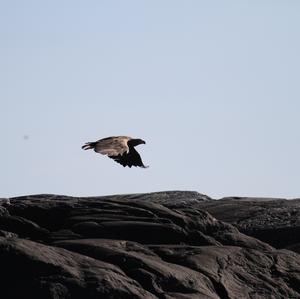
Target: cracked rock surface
157	245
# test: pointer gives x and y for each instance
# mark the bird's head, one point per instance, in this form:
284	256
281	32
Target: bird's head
135	142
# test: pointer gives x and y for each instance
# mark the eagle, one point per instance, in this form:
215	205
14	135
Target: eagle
119	148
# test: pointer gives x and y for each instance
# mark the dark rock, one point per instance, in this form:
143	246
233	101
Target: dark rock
33	270
144	232
159	245
22	227
274	221
294	247
6	234
3	211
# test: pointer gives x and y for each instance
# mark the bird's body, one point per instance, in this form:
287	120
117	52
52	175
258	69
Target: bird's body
119	148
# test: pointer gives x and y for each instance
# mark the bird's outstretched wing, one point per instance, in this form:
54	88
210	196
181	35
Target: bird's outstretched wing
132	158
112	146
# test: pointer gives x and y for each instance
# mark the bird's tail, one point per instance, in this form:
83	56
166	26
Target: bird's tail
89	145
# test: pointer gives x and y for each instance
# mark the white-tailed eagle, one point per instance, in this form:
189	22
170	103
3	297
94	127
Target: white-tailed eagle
119	148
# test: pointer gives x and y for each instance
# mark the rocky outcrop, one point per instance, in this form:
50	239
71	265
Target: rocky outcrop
274	221
158	245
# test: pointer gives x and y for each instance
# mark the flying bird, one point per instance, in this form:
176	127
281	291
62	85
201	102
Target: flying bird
119	148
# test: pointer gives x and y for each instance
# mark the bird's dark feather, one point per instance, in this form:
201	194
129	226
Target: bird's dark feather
132	158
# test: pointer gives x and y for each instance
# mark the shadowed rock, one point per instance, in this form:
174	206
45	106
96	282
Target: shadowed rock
274	221
136	246
47	272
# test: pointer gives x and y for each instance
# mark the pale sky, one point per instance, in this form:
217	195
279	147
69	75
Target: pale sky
213	87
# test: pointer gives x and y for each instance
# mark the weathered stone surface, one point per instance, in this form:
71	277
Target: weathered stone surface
6	234
22	227
274	221
34	270
136	246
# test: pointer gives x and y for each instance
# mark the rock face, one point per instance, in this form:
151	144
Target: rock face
274	221
158	245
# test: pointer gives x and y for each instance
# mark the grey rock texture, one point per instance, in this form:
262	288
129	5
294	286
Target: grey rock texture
158	245
274	221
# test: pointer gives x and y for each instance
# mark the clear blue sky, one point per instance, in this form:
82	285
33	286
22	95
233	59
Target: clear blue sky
212	86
